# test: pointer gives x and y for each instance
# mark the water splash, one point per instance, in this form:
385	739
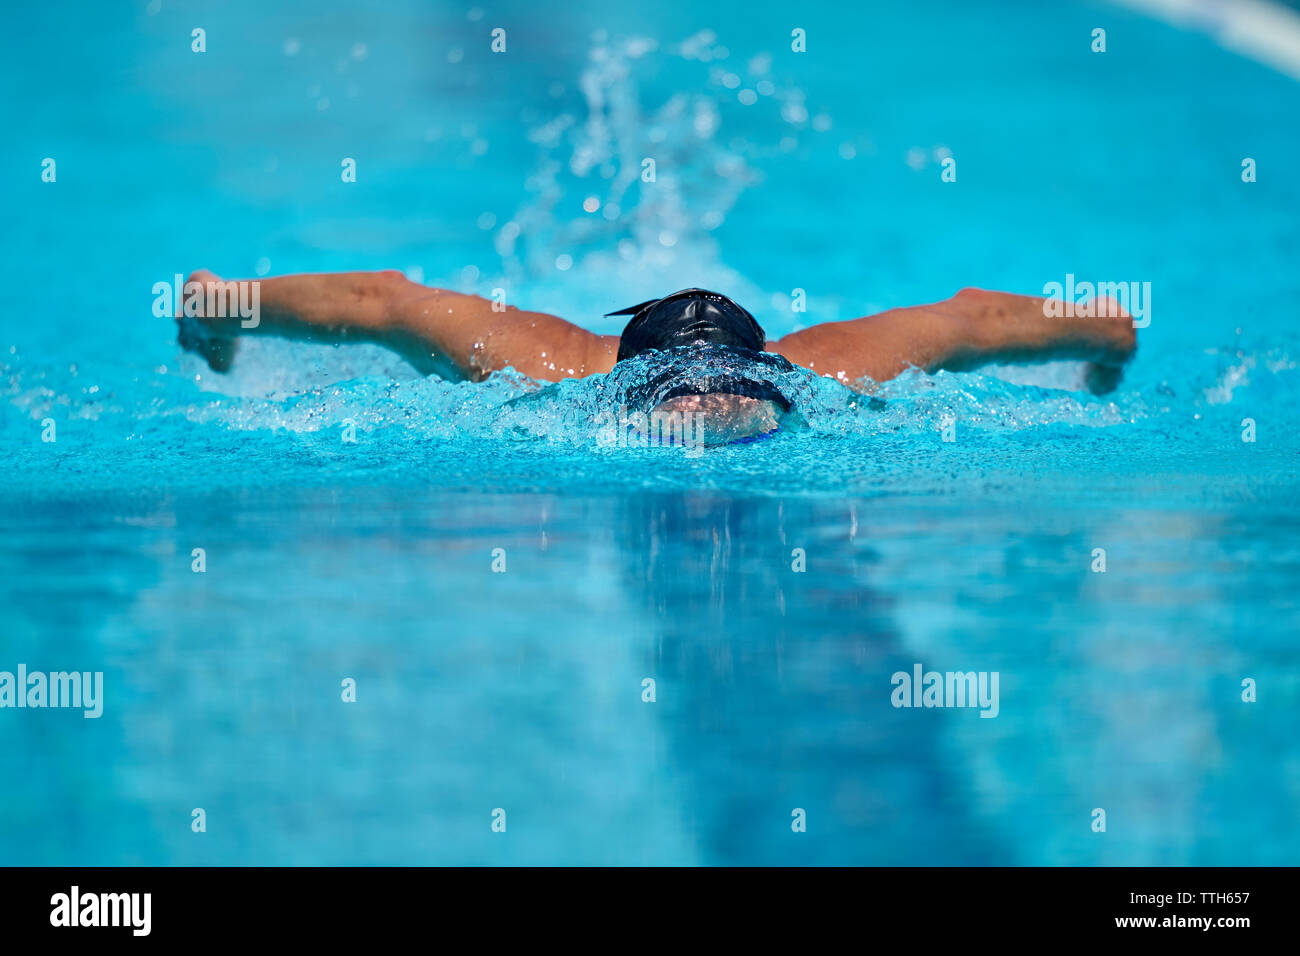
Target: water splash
626	198
1224	382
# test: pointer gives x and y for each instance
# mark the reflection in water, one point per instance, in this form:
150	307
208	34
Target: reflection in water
523	689
773	687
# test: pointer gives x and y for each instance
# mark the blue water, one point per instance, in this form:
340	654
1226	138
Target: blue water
522	690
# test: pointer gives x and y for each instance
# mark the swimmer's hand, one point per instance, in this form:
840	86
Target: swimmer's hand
1100	378
1119	342
201	335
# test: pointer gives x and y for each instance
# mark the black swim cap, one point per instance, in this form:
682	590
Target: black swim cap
689	317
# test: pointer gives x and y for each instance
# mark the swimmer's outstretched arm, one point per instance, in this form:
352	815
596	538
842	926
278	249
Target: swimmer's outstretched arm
461	336
453	335
971	329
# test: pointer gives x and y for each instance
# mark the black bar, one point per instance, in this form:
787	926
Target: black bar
333	906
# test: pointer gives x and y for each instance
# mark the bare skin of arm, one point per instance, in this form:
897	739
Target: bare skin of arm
461	336
971	329
446	333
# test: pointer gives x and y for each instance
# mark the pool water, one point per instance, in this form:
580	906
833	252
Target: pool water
523	688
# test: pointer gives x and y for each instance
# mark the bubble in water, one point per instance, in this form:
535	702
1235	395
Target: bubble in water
638	47
591	204
794	113
706	119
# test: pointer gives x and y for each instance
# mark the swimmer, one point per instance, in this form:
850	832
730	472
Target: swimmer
715	357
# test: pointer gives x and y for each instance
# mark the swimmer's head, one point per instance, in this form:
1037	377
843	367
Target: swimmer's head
686	318
709	359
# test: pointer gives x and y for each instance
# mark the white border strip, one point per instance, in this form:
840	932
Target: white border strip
1258	29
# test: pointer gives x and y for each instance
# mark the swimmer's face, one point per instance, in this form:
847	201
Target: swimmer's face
724	417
